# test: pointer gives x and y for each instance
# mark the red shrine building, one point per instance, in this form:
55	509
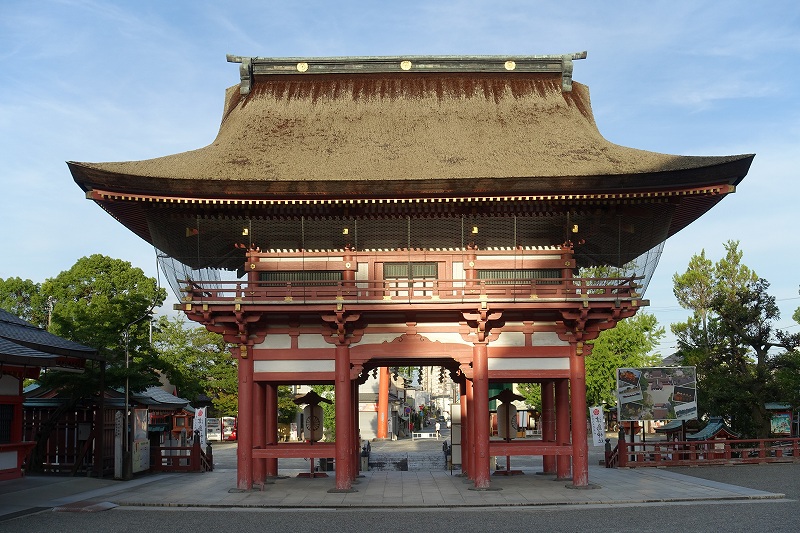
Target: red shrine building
461	212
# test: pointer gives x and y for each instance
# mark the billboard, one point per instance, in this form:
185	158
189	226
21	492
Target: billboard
656	393
781	424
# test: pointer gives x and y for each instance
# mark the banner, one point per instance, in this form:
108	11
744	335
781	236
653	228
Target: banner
598	425
199	426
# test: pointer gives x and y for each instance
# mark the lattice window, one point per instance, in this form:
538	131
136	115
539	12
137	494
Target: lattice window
416	277
303	278
544	276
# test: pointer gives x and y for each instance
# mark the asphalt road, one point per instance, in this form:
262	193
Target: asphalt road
746	515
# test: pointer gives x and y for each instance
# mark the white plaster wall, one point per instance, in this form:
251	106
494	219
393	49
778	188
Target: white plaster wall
314	340
294	365
378	338
445	336
509	338
280	341
547	338
529	363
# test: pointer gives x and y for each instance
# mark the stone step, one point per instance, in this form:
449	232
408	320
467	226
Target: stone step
407	461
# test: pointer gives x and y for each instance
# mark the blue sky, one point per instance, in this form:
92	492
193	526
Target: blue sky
93	81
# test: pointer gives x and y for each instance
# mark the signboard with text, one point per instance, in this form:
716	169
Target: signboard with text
656	393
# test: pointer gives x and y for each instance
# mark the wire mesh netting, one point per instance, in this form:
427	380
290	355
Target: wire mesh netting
214	248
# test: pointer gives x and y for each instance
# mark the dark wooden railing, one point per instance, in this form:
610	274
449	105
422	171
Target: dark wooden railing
444	290
612	455
705	452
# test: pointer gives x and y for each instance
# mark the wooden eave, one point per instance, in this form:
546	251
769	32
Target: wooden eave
131	209
99	195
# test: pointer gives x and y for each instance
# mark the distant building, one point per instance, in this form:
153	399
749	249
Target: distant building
24	351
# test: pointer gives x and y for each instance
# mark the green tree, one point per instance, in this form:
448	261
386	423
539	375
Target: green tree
103	303
732	340
628	344
197	361
23	298
287	409
694	288
747	318
107	304
532	393
786	367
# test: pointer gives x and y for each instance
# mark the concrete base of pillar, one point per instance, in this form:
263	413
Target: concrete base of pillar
485	489
341	491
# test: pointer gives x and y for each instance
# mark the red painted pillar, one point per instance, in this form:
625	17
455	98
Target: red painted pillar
383	403
465	449
244	451
344	420
469	447
271	426
548	424
577	386
260	413
562	427
355	432
480	383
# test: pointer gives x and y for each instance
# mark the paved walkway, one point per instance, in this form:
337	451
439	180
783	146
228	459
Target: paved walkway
374	489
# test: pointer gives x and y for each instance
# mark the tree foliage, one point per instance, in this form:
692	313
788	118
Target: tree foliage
732	340
629	344
197	361
532	393
287	409
100	302
23	298
107	304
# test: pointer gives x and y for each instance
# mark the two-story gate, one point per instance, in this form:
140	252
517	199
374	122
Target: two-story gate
464	212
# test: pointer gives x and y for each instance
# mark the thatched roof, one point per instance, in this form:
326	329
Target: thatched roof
410	133
478	131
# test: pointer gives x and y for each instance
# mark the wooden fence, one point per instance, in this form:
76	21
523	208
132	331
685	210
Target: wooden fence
181	458
705	452
72	445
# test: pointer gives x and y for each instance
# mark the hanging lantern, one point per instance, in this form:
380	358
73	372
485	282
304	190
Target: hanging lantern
507	421
312	414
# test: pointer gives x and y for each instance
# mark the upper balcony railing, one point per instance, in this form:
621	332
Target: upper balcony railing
412	290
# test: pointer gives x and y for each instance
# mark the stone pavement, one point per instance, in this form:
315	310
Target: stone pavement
389	489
